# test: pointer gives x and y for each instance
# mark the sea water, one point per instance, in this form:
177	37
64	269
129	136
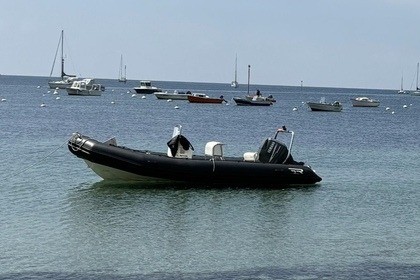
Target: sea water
58	220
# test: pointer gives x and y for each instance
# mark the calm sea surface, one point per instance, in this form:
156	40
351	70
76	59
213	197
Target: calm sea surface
58	220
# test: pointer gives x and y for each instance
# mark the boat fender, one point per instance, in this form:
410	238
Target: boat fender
250	156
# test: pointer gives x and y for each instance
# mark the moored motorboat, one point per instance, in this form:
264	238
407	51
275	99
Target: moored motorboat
322	105
85	87
364	102
204	98
255	101
272	165
176	95
146	87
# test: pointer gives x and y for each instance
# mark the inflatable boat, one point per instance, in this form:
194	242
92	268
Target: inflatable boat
271	165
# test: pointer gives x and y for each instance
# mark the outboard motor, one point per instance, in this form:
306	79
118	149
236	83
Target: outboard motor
273	151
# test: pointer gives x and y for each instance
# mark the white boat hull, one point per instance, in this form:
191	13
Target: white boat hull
173	96
365	103
327	107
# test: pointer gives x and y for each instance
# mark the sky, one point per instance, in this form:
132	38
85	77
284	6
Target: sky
323	43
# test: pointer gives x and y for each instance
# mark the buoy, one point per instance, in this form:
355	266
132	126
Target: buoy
387	108
112	102
169	100
133	95
43	105
3	100
143	97
176	107
392	112
38	87
295	109
57	98
405	106
55	92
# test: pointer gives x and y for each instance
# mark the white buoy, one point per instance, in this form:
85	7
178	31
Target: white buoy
38	87
133	95
169	100
58	98
3	100
405	106
128	91
295	109
392	112
55	92
176	107
112	102
387	108
143	97
43	105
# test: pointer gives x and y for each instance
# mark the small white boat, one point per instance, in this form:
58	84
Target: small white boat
85	87
364	102
146	87
324	106
176	95
402	91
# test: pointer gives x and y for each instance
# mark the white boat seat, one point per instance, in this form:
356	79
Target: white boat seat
250	156
214	149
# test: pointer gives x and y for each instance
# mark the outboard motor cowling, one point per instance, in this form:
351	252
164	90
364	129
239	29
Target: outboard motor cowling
273	151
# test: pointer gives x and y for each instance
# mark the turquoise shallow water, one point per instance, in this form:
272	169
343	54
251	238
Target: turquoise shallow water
59	220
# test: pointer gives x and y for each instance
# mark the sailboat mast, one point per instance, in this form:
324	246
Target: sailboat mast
121	63
236	69
249	75
62	54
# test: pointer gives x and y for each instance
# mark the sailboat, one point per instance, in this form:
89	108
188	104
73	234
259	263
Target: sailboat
122	78
234	83
66	80
402	91
417	91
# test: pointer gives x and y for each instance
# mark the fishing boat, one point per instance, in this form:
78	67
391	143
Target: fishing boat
272	165
417	91
85	87
322	105
364	102
204	98
253	101
66	79
122	77
176	95
235	83
146	87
